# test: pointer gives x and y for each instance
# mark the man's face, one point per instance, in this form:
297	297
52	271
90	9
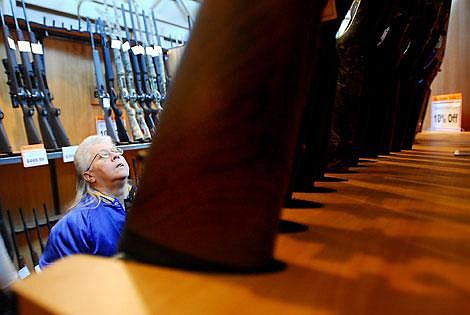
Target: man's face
108	166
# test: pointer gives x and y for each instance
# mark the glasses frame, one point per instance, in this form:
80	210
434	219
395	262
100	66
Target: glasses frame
105	154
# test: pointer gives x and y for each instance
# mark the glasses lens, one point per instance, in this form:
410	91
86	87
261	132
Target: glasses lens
117	150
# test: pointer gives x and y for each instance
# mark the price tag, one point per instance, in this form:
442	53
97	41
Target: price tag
446	112
34	155
106	102
149	51
138	50
11	43
23	273
116	44
37	48
126	46
24	46
101	126
158	50
68	153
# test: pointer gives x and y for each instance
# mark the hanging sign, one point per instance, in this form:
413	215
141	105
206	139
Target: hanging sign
446	112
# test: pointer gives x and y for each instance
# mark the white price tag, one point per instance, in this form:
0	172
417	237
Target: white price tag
116	44
68	153
37	48
23	273
158	50
149	51
24	46
126	46
101	126
106	102
446	112
138	50
34	155
11	43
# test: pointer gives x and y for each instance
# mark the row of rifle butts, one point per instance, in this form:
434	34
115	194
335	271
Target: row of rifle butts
139	72
9	233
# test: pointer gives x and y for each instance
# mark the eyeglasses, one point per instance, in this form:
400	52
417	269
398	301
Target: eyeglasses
105	154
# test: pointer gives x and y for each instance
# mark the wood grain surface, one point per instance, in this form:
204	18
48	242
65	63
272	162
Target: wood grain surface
394	239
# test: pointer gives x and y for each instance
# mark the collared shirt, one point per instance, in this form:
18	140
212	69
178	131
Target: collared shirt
92	227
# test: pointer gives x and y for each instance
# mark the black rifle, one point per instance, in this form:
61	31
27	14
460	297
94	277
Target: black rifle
19	258
38	230
4	233
32	252
5	146
159	62
109	77
18	94
46	215
151	74
35	97
101	94
142	98
40	73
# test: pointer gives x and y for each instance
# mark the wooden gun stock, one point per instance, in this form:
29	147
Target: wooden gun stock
218	170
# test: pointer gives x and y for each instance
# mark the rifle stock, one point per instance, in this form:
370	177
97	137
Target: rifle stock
32	252
4	233
224	185
23	270
46	215
38	230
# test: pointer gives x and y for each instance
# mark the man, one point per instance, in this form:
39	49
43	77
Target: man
94	223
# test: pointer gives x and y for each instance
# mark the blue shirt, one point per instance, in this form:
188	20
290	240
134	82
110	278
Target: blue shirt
92	227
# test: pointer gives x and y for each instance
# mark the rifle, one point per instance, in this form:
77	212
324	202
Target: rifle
152	75
23	270
46	215
4	233
5	146
142	98
124	94
158	61
34	96
130	93
40	73
109	77
32	252
101	94
18	94
38	230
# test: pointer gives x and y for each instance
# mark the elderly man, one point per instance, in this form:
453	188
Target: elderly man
95	220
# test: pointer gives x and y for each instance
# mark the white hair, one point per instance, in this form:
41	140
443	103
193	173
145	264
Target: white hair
82	159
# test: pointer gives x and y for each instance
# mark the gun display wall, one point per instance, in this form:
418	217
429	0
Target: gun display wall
366	97
56	84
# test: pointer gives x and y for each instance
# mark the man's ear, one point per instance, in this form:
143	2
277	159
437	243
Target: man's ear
89	177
